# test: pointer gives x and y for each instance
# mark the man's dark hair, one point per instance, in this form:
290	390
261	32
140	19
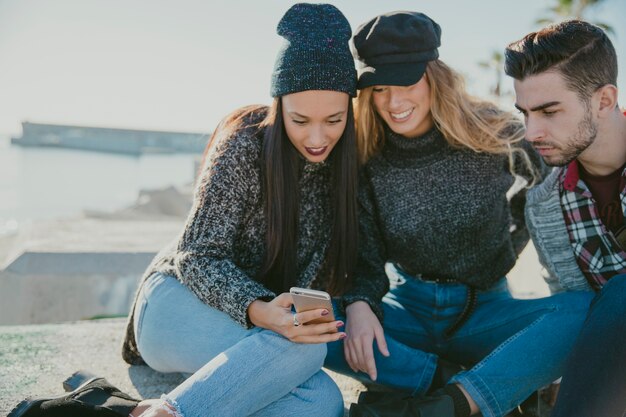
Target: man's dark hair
578	50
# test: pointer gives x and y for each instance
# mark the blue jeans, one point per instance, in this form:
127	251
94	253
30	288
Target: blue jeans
236	372
511	347
594	382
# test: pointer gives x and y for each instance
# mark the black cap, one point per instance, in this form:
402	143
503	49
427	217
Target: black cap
316	52
393	48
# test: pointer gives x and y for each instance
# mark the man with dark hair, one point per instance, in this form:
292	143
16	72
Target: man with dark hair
565	84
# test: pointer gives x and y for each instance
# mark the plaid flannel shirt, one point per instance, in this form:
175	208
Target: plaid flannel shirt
597	252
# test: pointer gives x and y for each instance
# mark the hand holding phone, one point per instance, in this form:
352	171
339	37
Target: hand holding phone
305	299
315	325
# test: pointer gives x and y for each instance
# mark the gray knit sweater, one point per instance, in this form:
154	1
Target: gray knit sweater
440	211
222	245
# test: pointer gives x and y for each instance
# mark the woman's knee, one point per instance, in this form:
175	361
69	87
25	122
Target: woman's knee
316	353
296	359
176	332
322	395
331	399
306	354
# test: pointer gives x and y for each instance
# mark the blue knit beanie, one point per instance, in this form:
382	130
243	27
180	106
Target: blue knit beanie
315	54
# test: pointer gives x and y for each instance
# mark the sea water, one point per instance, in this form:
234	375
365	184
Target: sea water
44	183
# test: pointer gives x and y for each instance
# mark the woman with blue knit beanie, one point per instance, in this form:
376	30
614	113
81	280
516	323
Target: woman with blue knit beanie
275	207
430	312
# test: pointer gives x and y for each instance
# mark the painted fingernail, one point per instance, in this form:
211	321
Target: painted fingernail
325	313
343	336
339	324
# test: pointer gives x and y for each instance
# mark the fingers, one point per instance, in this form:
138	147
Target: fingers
359	353
310	333
318	329
332	327
359	347
320	338
368	360
307	316
347	351
368	352
379	334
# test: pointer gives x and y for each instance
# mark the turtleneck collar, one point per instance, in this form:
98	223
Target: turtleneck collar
432	139
427	146
307	167
311	167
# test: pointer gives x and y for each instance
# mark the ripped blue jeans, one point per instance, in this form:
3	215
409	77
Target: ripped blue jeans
235	371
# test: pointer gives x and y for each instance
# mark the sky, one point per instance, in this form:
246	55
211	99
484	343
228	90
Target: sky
182	65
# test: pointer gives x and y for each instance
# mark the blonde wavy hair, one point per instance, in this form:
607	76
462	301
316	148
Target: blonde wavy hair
464	120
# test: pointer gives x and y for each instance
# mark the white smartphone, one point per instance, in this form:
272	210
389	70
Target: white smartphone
305	299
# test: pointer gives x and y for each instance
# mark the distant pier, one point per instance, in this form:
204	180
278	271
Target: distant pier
99	139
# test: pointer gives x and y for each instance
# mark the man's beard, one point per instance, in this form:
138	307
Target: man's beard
586	135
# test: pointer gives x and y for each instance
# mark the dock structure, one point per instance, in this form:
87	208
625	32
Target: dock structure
103	139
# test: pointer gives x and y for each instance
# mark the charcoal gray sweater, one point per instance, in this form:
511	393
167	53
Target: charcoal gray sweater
440	211
222	245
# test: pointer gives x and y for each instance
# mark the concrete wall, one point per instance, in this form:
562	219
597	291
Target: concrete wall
64	270
30	294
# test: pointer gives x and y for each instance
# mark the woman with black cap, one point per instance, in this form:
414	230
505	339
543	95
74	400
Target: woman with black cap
275	207
438	166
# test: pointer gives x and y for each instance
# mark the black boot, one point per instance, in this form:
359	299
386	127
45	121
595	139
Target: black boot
533	406
402	405
95	398
443	373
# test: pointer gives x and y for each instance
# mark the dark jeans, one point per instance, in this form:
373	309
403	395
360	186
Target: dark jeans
594	382
512	347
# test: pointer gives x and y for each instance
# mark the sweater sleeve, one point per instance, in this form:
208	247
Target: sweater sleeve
371	282
205	251
536	172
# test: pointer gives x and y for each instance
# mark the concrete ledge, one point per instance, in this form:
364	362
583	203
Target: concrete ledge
71	269
45	298
35	359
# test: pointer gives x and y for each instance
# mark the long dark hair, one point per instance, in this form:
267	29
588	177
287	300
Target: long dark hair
234	121
280	164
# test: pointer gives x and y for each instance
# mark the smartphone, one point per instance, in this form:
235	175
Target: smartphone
305	299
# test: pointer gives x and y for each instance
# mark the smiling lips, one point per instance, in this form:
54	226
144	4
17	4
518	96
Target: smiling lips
401	117
316	151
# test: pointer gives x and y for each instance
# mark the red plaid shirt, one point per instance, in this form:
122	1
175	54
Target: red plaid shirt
597	252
